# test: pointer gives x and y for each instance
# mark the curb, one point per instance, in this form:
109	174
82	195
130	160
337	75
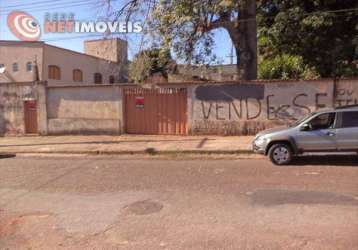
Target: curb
149	151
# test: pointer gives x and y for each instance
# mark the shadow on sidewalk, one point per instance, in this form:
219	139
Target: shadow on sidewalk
329	160
100	142
4	156
272	197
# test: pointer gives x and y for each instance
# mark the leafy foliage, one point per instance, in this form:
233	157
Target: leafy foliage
322	33
286	67
186	27
148	62
297	38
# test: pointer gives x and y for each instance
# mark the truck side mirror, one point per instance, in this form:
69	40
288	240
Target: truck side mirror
305	127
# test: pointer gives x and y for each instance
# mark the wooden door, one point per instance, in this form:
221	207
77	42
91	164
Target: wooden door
30	108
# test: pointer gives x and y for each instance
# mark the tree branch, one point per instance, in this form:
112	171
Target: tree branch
222	22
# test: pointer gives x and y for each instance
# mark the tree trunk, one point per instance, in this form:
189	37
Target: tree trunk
244	38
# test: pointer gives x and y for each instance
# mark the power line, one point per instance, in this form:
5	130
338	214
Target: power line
43	4
72	38
79	37
31	4
341	10
21	1
307	14
86	2
243	20
52	7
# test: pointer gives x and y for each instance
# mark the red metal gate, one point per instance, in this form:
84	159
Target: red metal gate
30	109
155	111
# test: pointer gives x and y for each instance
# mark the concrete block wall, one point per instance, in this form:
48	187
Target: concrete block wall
346	92
236	109
223	109
12	97
85	110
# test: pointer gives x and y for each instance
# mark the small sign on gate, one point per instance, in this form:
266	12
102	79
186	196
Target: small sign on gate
139	102
31	104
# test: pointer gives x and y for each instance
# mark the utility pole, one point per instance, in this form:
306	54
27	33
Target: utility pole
35	70
231	55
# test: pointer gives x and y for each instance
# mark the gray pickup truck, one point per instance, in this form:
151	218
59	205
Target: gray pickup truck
334	130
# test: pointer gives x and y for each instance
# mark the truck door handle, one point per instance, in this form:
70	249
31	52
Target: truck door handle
331	134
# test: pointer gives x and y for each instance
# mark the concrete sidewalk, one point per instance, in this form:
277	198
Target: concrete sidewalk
126	144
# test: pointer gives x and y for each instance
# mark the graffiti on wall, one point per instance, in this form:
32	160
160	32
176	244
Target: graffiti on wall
345	96
257	102
248	108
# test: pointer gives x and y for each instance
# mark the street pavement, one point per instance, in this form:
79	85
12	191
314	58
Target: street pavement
177	203
126	144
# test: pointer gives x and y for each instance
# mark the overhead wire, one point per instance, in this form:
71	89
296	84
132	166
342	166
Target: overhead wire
88	2
52	6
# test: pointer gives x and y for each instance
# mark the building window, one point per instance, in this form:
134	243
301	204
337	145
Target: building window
29	66
111	79
98	78
54	72
15	67
77	75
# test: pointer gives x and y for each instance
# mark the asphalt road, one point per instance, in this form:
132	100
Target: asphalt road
120	203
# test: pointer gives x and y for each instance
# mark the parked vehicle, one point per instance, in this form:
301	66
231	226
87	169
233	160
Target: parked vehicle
333	130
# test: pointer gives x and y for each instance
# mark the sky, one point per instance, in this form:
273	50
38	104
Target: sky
85	10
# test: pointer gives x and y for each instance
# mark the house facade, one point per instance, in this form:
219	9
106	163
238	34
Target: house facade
104	62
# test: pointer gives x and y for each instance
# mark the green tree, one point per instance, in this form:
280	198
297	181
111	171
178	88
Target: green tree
322	33
148	62
286	67
186	27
